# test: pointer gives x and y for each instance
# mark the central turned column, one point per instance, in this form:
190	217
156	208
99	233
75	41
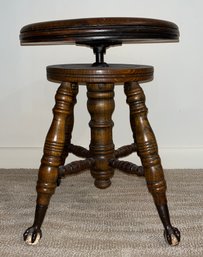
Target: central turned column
101	105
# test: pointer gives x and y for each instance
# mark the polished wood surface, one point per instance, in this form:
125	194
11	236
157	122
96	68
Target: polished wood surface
86	73
89	30
101	158
100	79
56	141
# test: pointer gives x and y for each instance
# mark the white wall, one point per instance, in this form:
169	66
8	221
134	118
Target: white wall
174	97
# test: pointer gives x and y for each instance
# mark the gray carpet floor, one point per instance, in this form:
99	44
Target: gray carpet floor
83	221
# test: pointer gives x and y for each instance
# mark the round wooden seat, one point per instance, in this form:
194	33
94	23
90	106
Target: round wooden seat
91	30
85	73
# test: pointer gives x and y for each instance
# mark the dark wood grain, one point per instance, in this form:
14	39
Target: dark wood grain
105	29
100	105
69	122
85	73
127	167
146	143
75	167
55	143
78	151
147	150
100	79
125	150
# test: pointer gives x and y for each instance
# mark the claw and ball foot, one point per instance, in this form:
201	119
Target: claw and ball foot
32	235
172	236
147	150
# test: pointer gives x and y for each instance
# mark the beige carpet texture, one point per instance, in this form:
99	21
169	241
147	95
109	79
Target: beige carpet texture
83	221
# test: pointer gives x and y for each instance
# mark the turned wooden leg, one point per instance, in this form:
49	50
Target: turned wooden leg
68	127
148	151
101	106
69	124
52	158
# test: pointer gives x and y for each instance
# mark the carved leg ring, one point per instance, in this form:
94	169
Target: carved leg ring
148	152
52	158
101	106
68	126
